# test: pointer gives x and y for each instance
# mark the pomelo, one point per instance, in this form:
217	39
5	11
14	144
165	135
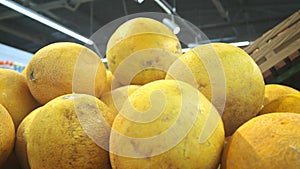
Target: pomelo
7	135
227	76
63	68
162	124
268	141
141	50
117	97
22	137
286	103
70	131
15	95
274	91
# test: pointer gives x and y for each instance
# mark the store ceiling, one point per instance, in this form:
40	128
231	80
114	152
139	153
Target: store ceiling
230	21
219	20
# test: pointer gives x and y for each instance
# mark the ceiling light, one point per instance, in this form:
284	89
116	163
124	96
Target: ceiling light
185	50
172	25
164	7
243	43
40	18
139	1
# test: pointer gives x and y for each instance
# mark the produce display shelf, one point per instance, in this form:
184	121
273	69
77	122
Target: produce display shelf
278	46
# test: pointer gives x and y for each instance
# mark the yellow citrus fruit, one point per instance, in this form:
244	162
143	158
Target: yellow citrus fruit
62	68
70	131
274	91
286	103
22	137
24	71
108	81
7	135
15	95
268	141
225	151
141	50
227	76
111	82
162	125
116	98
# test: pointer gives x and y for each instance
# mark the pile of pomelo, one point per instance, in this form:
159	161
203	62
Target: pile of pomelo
153	107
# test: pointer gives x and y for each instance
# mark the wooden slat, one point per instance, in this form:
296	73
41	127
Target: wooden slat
280	56
273	32
269	49
277	44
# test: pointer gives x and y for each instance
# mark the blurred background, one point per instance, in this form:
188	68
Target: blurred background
229	21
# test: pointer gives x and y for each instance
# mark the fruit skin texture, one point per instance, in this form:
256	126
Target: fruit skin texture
15	95
144	47
244	83
274	91
7	135
189	152
24	71
57	138
117	97
225	151
268	141
108	83
286	103
111	82
22	137
62	68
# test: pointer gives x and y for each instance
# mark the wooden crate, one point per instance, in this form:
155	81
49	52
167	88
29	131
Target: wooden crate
282	66
277	44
